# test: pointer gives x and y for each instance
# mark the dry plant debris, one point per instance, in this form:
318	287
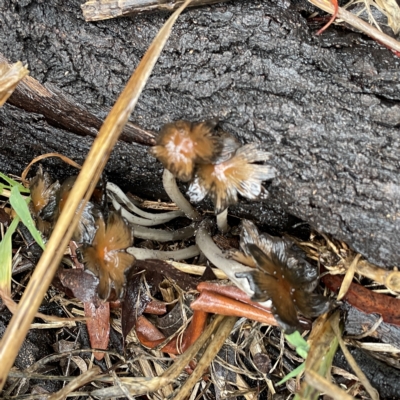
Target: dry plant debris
165	311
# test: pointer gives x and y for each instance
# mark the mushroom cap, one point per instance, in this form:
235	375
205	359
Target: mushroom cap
106	256
183	144
237	175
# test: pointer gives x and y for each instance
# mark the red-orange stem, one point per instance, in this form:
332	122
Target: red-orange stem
334	15
218	304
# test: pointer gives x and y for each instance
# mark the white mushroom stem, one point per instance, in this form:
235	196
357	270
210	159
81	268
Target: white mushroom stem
222	221
161	235
133	219
144	254
117	195
177	197
230	267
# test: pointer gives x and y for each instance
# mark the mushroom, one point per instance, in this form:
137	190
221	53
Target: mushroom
182	144
43	196
106	256
237	175
283	276
181	147
118	197
176	255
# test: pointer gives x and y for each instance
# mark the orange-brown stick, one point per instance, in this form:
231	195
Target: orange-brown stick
218	304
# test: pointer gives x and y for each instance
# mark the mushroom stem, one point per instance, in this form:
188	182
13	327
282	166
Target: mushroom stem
144	254
177	197
157	220
161	235
222	221
230	267
122	198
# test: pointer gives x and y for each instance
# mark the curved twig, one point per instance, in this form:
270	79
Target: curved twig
161	235
144	254
133	219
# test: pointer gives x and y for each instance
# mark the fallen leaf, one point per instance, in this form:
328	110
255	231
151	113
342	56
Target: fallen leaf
135	302
98	326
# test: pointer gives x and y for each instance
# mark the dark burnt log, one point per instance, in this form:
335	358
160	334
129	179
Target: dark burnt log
62	111
358	323
327	107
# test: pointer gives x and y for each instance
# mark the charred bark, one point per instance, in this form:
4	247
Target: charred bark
328	107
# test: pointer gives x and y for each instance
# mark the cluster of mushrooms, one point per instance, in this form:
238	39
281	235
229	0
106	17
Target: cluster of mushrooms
216	165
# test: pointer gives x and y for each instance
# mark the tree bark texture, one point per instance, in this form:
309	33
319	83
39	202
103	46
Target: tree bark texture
328	107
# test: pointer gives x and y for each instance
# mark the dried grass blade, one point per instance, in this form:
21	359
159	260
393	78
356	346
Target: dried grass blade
213	348
350	359
324	386
47	155
319	359
85	183
79	381
392	11
348	277
12	307
9	79
358	23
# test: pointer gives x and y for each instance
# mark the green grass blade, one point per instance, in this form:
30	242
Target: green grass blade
18	203
12	183
292	374
6	257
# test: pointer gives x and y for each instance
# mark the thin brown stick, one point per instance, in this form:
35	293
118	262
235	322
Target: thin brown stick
96	10
79	381
83	188
42	157
60	109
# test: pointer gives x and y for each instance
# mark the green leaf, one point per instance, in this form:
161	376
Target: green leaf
292	374
12	183
6	257
18	203
296	340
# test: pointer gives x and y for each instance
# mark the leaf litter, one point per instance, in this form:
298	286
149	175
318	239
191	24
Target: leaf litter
249	361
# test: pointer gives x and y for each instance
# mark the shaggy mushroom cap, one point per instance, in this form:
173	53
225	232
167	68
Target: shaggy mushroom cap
106	257
282	276
43	195
182	144
86	228
237	175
